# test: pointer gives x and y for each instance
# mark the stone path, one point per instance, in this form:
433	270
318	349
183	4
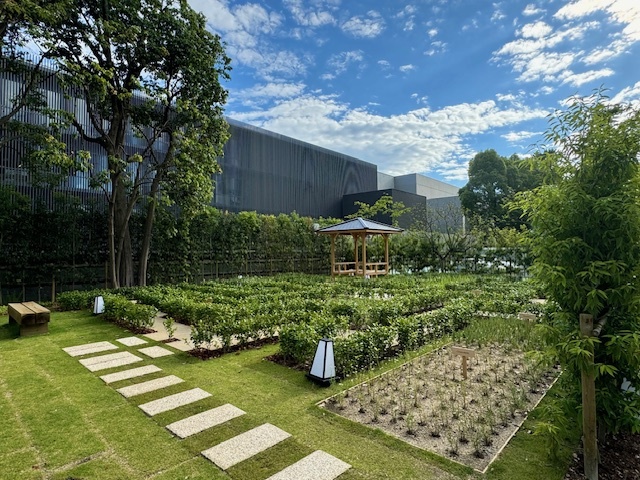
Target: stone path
150	386
131	341
155	352
110	361
203	421
318	465
244	446
128	374
174	401
90	348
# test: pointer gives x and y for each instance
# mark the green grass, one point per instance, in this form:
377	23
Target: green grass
60	421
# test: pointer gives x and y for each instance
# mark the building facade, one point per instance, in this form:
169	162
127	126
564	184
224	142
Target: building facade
262	170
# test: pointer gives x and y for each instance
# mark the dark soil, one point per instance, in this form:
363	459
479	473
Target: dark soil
205	354
170	340
619	460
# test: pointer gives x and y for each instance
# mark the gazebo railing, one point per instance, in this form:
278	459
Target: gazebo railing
353	268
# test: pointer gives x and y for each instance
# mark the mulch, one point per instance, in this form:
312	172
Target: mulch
619	459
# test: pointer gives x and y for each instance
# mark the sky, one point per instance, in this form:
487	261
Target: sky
422	86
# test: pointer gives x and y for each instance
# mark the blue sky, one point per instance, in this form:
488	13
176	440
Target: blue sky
422	86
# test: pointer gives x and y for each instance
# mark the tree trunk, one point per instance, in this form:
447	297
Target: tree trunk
148	230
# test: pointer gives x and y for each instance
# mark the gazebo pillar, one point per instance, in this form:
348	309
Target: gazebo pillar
355	252
364	254
386	252
333	253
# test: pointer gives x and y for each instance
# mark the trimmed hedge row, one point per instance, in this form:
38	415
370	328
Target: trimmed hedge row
364	349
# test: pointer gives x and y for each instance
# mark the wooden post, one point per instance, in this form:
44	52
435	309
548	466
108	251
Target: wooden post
355	253
589	430
364	255
465	353
386	252
333	254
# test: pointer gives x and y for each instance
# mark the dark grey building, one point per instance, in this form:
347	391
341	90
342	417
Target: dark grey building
262	171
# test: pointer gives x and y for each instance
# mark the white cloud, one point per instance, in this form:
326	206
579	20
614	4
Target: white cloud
541	53
432	32
498	14
368	26
517	137
407	68
535	30
625	12
420	140
244	27
309	17
384	64
407	15
262	93
628	95
436	47
341	61
531	10
578	79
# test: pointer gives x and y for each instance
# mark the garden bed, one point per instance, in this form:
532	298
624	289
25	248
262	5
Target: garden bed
427	403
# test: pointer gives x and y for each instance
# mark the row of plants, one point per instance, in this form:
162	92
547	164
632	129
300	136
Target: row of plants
429	403
370	319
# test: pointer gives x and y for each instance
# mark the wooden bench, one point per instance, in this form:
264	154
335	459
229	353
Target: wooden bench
32	318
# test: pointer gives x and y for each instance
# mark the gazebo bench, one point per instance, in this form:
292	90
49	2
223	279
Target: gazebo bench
32	318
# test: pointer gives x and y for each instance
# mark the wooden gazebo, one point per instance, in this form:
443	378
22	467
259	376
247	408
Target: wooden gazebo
359	228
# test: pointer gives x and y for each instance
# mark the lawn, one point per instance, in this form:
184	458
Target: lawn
60	421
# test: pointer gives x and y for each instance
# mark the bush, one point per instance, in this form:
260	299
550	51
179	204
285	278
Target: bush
78	299
135	316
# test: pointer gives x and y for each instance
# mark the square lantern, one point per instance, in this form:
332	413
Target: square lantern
98	305
323	369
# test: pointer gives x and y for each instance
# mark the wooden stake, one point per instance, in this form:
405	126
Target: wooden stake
465	353
589	430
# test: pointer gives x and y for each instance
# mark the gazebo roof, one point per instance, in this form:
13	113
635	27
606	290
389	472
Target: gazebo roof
359	225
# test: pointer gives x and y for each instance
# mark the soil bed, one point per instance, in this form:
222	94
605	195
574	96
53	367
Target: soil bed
427	403
619	460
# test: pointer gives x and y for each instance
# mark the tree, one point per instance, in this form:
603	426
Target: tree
40	145
585	237
493	180
152	67
385	206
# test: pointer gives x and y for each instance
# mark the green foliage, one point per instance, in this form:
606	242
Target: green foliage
78	299
493	180
385	206
586	225
134	316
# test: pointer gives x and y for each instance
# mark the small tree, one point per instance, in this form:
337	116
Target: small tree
385	205
586	242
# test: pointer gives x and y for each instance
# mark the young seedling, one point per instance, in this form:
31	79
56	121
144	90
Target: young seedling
169	326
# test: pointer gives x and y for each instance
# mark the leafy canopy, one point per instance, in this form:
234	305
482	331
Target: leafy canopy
586	240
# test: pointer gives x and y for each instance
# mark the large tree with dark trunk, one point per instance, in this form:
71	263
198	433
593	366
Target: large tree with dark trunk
151	67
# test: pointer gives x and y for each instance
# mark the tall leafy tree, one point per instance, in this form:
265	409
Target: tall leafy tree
149	66
586	229
493	181
39	143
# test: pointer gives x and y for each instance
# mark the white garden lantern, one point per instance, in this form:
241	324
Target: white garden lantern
98	305
323	369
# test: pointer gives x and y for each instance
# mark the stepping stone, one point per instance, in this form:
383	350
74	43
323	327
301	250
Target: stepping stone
202	421
131	341
132	373
90	348
246	445
103	362
165	404
150	386
155	352
317	466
